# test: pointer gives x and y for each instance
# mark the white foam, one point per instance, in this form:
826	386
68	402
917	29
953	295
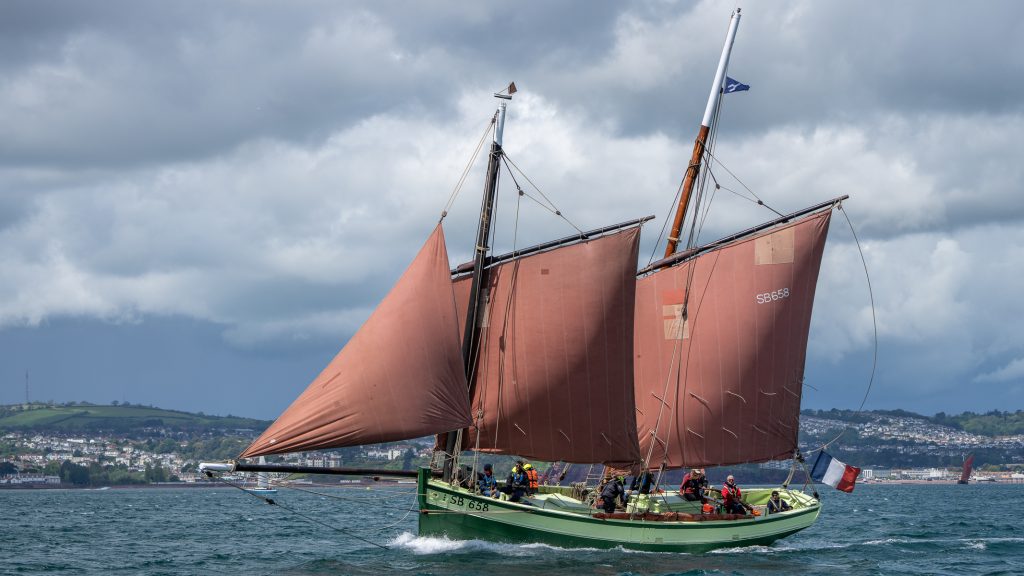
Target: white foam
998	539
426	544
436	545
744	550
624	550
971	542
890	541
806	547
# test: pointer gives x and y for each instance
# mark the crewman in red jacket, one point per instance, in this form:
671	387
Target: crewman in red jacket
732	497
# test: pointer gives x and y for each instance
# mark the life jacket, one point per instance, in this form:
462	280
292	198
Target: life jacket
731	493
487	484
777	506
534	478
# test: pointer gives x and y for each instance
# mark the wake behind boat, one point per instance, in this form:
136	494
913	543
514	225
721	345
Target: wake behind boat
563	352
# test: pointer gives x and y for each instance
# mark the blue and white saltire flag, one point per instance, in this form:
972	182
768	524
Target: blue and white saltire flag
734	85
828	470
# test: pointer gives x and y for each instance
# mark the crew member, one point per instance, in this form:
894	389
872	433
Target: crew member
732	497
516	485
532	477
776	504
487	483
611	491
693	486
642	483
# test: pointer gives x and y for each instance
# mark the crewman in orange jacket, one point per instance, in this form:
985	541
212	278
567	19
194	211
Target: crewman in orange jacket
533	477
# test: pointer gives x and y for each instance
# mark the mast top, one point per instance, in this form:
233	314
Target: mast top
499	128
723	64
509	92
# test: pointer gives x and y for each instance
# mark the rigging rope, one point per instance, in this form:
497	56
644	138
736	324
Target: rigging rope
747	188
343	498
469	166
551	205
273	502
874	325
661	235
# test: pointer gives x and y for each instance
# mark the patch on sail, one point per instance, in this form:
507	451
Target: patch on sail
484	320
775	248
676	326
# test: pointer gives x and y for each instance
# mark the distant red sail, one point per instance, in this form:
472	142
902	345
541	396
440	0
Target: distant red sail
555	370
721	384
401	375
965	474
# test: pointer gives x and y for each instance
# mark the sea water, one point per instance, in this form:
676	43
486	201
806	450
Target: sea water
879	529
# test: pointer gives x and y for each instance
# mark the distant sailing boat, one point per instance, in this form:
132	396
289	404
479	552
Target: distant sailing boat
965	474
262	482
563	352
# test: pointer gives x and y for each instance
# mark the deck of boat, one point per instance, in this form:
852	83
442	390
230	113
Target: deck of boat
552	517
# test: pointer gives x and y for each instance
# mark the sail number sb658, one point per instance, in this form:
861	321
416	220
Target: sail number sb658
467	503
462	502
772	296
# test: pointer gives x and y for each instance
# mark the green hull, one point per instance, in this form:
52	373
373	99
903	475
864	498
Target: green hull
459	514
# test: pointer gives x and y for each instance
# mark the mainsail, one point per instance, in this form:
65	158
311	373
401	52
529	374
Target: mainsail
553	376
720	346
400	376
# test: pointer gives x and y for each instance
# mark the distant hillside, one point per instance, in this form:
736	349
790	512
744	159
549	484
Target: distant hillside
74	418
994	423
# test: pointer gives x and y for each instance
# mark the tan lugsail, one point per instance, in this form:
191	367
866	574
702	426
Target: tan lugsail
401	375
728	374
553	380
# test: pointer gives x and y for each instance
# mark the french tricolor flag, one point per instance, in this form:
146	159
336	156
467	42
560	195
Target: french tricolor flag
828	470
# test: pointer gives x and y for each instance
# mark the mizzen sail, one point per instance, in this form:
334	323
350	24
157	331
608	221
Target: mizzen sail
400	376
720	345
554	371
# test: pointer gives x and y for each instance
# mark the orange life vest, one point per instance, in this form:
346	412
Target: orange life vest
534	479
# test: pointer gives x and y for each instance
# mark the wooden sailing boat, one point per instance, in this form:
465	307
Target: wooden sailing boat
561	352
965	473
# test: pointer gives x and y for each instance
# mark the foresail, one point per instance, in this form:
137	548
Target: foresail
400	376
721	384
553	380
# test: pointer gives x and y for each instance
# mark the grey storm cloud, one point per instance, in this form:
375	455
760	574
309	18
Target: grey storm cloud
260	172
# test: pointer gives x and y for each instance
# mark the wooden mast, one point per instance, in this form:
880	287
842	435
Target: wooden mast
483	234
702	137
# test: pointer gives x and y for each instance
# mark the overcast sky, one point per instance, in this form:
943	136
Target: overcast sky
201	201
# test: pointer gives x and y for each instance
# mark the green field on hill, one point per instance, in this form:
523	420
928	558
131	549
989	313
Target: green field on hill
94	418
